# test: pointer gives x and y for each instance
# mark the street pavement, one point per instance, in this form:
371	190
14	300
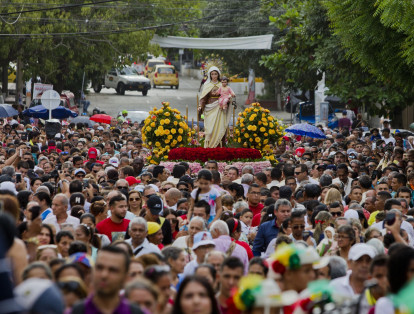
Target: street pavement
186	95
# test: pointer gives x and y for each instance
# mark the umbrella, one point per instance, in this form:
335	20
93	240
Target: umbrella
7	111
41	112
84	120
101	118
306	129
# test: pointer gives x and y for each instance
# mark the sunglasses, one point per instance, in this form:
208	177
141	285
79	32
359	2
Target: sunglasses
338	214
64	153
80	176
184	190
71	286
298	173
298	227
166	189
135	199
121	187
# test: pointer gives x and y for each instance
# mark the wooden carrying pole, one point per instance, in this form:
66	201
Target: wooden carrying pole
198	119
234	117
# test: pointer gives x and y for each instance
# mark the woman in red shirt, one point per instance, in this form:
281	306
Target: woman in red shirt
235	233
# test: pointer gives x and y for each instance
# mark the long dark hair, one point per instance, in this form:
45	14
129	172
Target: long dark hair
90	232
398	266
202	281
206	175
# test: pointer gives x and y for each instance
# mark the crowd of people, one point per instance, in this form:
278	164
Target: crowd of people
87	226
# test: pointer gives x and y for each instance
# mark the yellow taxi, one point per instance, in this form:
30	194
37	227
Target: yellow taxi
165	75
150	65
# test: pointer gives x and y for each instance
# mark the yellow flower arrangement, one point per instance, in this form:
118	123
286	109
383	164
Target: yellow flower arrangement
160	129
256	128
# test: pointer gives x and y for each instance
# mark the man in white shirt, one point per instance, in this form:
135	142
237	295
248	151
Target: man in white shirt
60	216
139	243
343	177
353	284
387	137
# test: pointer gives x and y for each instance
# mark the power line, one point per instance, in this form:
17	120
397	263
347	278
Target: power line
69	6
104	32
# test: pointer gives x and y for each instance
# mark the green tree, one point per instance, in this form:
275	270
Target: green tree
308	47
238	18
59	45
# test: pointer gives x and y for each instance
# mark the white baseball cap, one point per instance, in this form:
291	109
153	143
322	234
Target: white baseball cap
114	162
360	249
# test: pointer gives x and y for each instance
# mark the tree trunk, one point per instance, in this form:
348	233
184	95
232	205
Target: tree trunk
5	78
19	80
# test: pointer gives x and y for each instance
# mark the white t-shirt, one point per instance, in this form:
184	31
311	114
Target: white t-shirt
209	197
52	220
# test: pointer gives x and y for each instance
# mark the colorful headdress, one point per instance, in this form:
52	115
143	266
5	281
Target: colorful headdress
255	291
285	257
292	256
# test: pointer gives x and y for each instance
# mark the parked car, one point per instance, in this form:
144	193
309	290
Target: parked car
124	79
67	99
306	113
164	75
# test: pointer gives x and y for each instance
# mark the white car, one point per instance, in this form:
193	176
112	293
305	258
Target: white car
125	79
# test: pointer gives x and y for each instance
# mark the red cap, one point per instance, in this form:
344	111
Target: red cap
131	180
92	153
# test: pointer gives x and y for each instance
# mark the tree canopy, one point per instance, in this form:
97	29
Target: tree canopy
309	46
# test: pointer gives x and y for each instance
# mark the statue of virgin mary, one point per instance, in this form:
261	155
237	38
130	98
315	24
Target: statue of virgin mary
216	120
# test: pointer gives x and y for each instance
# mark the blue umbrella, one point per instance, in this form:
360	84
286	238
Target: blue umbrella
83	119
7	111
41	112
306	129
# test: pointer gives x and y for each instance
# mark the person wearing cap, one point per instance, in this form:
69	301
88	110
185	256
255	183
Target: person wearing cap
93	156
154	208
138	231
155	235
202	244
132	181
115	226
359	260
79	174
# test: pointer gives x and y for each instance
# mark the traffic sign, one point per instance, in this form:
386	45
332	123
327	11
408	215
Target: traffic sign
50	100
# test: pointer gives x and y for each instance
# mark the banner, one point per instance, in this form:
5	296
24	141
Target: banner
39	88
